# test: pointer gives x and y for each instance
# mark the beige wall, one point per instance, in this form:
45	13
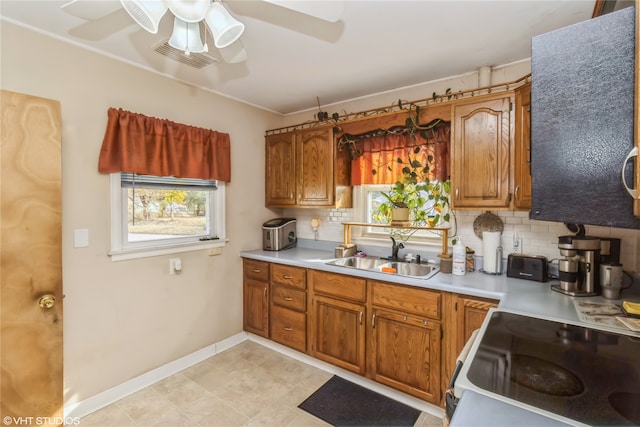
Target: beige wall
122	319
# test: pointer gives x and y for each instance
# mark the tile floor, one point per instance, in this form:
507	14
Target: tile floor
247	385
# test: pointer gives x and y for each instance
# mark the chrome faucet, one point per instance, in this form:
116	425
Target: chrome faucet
395	247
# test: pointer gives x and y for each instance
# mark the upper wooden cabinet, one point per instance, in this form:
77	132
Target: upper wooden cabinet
480	152
303	169
522	166
280	170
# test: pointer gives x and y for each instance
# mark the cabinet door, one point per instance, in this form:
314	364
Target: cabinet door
338	333
480	155
315	157
280	170
405	352
256	307
522	166
470	315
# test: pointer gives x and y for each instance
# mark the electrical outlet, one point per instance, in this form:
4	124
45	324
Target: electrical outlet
215	251
175	265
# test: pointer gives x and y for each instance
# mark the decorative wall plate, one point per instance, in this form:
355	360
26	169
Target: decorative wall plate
487	222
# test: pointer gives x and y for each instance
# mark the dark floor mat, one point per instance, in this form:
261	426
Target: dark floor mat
343	403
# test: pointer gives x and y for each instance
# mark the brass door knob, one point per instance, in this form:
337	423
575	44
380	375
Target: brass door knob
47	301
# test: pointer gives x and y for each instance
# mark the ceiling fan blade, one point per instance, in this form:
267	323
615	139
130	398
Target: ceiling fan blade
91	10
327	10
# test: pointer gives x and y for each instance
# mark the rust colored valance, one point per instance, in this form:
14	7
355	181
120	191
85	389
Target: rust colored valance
380	153
148	146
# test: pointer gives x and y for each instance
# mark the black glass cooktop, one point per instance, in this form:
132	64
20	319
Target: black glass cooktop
584	374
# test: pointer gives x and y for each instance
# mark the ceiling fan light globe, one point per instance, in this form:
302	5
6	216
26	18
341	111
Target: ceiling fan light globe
186	37
189	10
224	27
146	13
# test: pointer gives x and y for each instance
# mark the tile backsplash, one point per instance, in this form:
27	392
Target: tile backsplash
535	237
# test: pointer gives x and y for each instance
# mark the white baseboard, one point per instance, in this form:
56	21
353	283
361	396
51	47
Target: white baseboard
107	397
123	390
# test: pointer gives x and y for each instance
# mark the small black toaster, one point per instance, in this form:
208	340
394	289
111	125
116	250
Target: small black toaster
529	267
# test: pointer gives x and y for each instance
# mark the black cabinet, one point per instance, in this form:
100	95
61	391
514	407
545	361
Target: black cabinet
582	120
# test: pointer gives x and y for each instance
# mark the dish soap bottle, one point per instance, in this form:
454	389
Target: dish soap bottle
459	258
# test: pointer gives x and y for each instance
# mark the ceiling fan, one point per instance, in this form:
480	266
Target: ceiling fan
188	15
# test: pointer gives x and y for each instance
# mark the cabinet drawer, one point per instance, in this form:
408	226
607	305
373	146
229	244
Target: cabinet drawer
339	285
289	298
256	270
288	275
289	327
408	300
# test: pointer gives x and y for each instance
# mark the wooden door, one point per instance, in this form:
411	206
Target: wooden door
338	333
256	307
315	160
280	170
31	260
481	141
405	353
522	166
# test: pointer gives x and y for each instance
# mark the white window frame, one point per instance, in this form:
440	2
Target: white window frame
377	235
122	250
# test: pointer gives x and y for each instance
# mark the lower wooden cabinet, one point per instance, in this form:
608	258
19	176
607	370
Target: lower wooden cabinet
255	317
338	312
463	315
289	327
288	318
404	344
405	353
403	336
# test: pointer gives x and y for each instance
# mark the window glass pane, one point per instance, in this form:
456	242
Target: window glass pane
154	213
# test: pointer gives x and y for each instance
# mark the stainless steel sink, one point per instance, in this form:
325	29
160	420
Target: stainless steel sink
414	270
423	271
361	263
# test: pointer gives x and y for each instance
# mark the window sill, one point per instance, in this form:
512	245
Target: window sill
128	254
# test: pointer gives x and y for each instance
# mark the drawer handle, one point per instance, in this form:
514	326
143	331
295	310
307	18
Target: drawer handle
257	270
287	277
288	329
288	299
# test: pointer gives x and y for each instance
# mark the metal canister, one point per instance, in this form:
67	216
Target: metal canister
471	259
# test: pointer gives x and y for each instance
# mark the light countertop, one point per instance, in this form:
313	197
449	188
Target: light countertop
523	296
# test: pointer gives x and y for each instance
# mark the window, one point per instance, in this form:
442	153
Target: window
367	199
153	215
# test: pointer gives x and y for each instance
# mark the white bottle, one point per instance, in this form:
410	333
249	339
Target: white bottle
459	258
